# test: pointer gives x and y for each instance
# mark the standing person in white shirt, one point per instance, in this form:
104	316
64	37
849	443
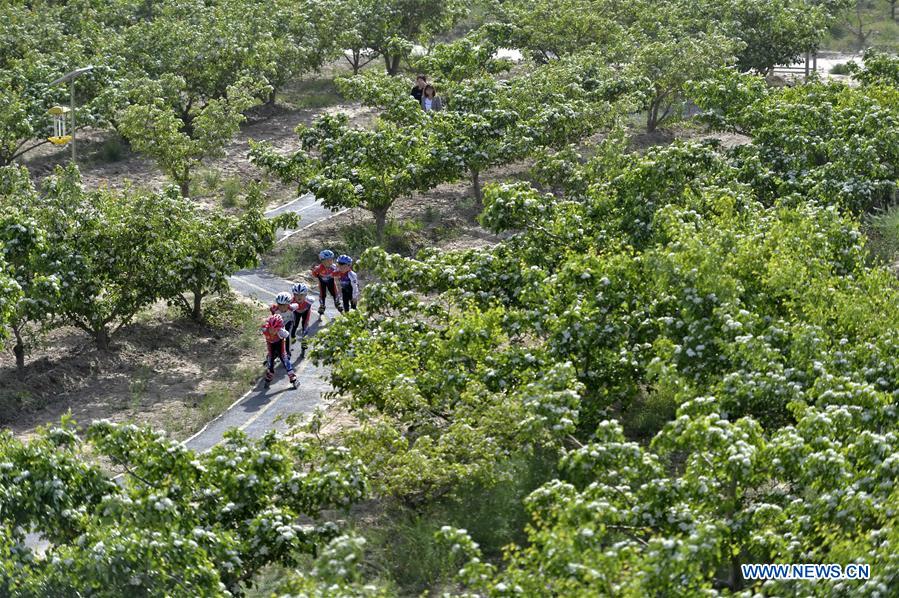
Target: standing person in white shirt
429	100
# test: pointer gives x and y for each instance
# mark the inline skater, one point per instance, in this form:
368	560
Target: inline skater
324	272
285	308
349	282
301	315
276	338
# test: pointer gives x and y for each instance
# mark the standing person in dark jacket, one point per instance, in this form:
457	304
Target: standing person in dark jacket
420	83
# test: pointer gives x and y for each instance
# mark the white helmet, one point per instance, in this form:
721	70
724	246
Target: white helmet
300	289
283	298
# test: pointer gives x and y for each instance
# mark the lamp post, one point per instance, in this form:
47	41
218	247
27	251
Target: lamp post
71	77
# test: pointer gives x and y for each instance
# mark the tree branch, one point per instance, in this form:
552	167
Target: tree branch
27	149
130	472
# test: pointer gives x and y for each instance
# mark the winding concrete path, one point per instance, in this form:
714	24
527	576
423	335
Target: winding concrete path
262	409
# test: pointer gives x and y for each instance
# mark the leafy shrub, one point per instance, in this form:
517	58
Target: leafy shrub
113	149
231	190
431	215
840	68
400	237
211	179
227	311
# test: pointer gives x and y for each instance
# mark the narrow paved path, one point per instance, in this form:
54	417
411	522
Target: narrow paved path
263	409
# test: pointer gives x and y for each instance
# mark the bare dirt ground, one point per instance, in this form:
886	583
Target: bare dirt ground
165	371
106	160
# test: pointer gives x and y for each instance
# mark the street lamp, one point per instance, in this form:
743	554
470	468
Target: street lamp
71	77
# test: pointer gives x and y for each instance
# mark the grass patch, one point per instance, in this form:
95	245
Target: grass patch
226	312
401	544
224	392
292	258
137	387
883	235
268	582
209	182
312	94
205	182
211	178
645	417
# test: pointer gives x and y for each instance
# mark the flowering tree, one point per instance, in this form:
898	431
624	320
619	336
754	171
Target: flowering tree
180	145
117	250
390	28
36	47
832	142
709	495
31	260
353	167
215	245
177	523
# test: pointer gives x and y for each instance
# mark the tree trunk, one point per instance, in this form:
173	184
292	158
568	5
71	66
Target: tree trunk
19	351
652	117
184	185
357	58
392	63
197	312
101	339
380	225
893	9
736	576
271	97
860	34
476	185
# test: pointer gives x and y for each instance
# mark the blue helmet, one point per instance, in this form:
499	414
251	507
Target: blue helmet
283	298
300	289
344	259
326	254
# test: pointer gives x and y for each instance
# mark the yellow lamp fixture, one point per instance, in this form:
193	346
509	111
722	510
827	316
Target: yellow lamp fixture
60	136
